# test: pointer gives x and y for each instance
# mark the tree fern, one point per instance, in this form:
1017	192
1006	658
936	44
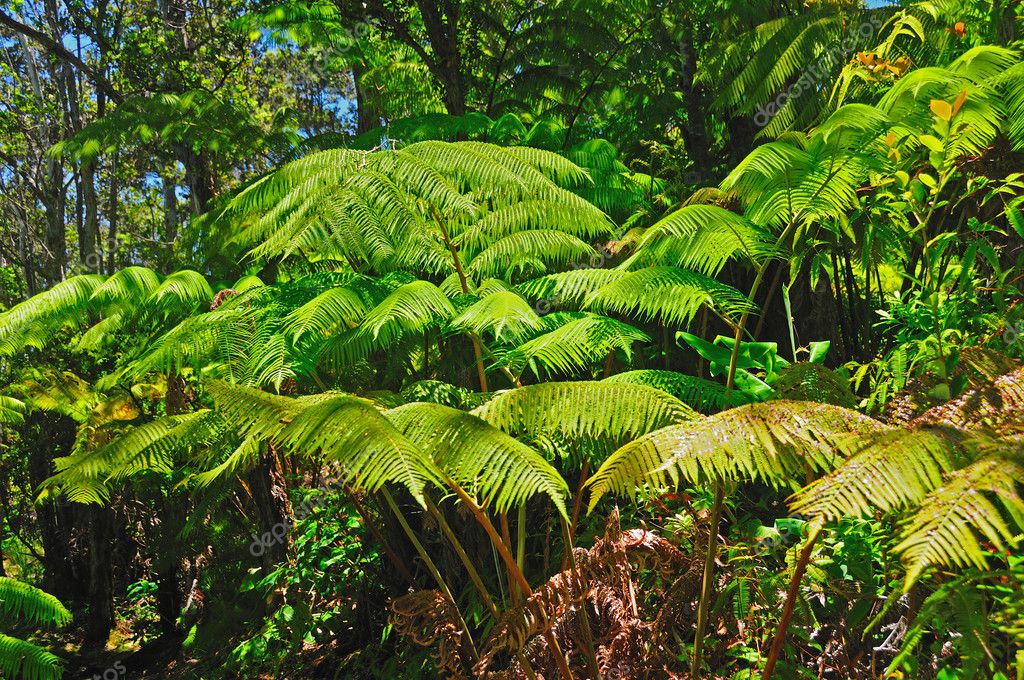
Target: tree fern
482	459
776	442
584	410
574	344
21	603
390	209
785	56
572	286
528	253
341	428
782	182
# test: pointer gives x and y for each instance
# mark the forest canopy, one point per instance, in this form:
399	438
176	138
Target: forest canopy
511	340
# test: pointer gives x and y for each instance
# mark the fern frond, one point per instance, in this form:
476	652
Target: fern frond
23	660
584	410
954	519
12	411
23	603
157	447
410	308
570	286
574	345
33	323
702	238
775	442
669	295
886	470
242	458
699	394
196	341
334	308
128	287
780	182
530	251
338	427
182	292
504	314
479	457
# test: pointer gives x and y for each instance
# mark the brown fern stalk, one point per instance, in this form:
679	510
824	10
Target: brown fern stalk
432	568
708	580
514	571
590	652
463	283
791	597
474	576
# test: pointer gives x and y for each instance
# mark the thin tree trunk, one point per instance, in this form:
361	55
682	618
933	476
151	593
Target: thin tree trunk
172	520
90	228
56	435
698	146
112	199
101	586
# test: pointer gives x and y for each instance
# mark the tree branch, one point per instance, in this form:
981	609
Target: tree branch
54	47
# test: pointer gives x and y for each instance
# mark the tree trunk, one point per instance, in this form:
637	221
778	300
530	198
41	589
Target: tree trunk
698	146
272	507
88	234
170	220
367	117
199	178
172	519
115	190
101	587
53	435
52	189
443	33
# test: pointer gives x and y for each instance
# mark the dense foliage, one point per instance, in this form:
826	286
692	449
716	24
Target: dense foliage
572	339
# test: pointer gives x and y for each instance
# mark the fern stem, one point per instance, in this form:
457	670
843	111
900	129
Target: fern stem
510	564
521	538
708	580
474	576
432	568
464	284
577	502
584	613
791	596
378	535
506	538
